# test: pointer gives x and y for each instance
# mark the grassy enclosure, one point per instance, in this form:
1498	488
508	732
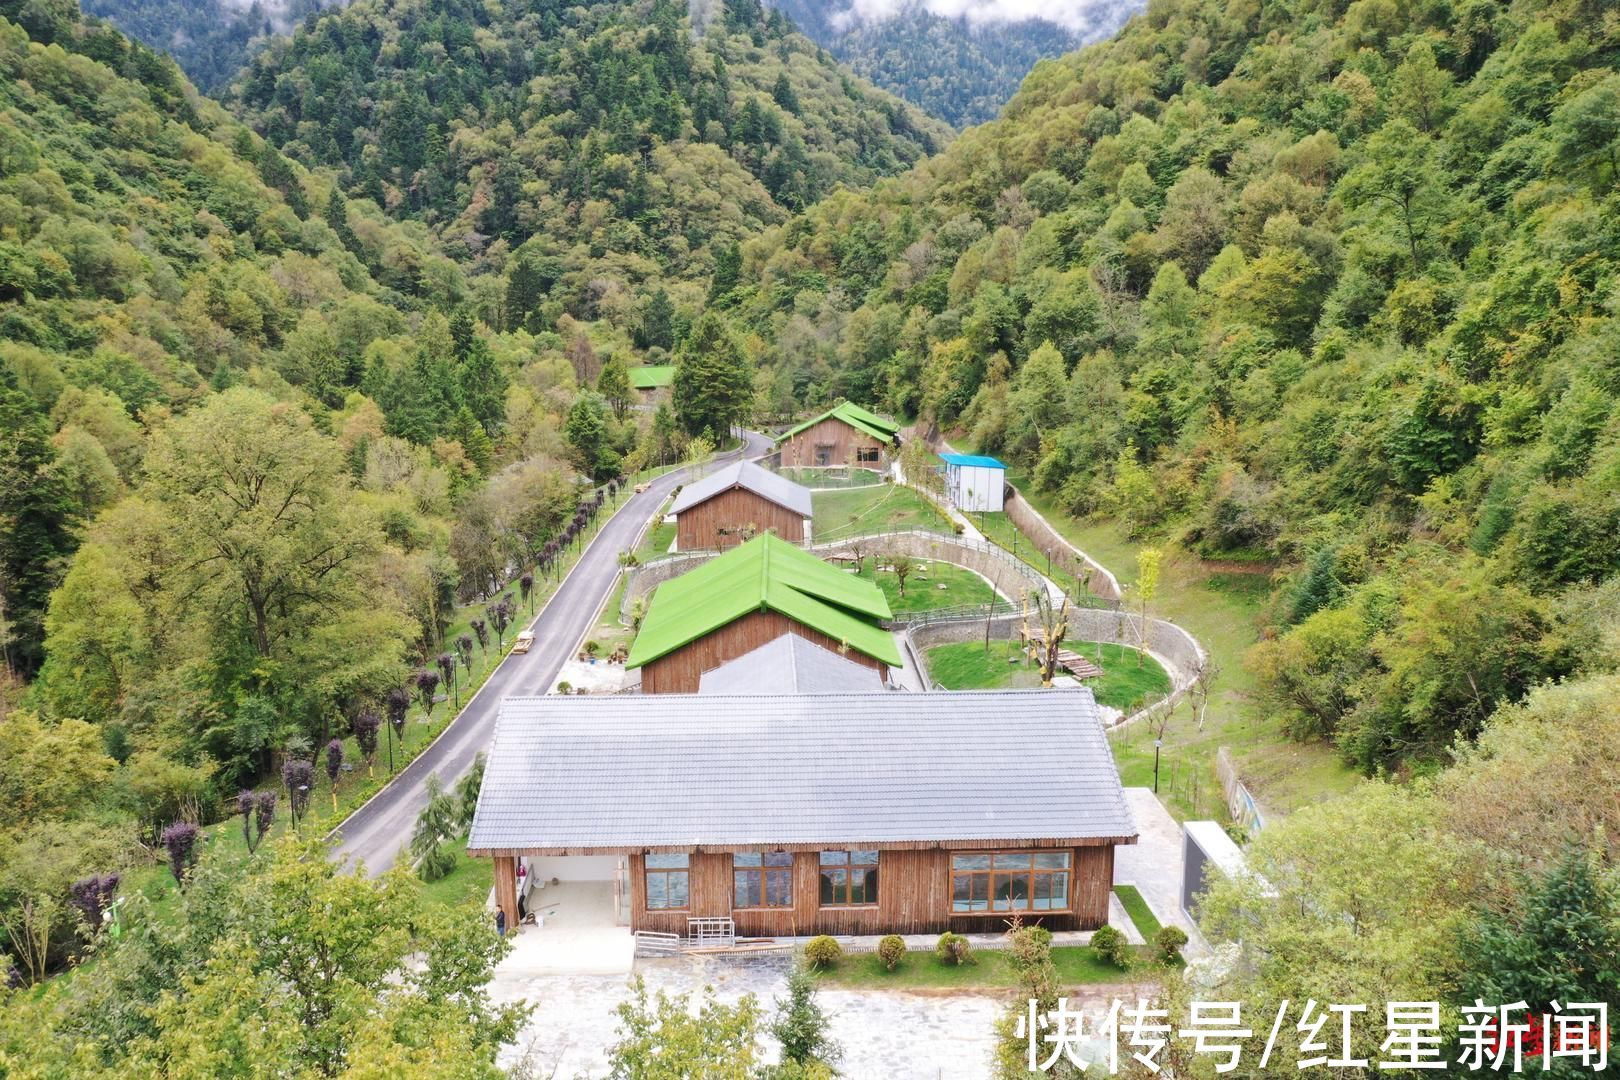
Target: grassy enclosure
861	511
923	587
1124	684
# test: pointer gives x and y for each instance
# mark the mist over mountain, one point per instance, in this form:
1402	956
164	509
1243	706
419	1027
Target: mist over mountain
959	60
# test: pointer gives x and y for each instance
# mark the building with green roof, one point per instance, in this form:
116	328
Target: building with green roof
845	435
752	594
652	377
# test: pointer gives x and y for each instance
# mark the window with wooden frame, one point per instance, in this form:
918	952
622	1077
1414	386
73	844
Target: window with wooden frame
849	878
762	879
1010	881
668	882
867	454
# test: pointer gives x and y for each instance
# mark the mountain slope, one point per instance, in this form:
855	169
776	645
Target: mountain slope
1294	284
959	71
211	40
614	130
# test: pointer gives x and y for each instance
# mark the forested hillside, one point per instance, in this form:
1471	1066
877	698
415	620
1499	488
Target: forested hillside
258	444
613	143
1331	289
961	72
211	40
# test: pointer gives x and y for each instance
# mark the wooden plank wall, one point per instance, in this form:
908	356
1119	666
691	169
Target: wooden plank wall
679	671
718	522
914	897
845	440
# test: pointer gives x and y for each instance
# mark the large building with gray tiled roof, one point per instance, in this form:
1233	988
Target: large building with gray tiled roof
844	813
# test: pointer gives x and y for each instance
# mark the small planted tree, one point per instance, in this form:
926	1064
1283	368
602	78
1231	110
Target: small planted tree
298	775
399	705
1147	589
245	802
526	589
434	858
367	726
903	566
823	952
180	841
264	817
334	767
500	617
800	1025
480	628
427	687
446	664
464	649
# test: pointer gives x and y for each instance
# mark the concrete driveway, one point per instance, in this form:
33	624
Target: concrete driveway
376	832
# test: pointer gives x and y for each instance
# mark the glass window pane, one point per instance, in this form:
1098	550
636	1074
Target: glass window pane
677	890
970	862
863	887
779	858
970	892
832	886
778	888
746	894
676	861
657	896
1052	860
864	858
834	858
1012	860
745	858
1052	892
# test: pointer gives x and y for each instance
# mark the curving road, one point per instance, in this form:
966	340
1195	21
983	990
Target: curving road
375	833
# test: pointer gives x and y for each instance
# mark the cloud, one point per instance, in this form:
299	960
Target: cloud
1079	17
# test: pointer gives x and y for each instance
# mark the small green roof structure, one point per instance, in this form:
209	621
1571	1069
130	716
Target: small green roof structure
880	428
652	377
766	574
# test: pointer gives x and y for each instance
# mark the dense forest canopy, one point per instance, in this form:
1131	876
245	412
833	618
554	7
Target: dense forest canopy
613	137
959	71
211	40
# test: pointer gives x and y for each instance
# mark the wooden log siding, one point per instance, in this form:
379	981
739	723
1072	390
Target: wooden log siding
718	523
679	672
914	897
800	450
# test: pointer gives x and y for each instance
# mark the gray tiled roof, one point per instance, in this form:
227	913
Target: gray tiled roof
790	664
629	772
745	474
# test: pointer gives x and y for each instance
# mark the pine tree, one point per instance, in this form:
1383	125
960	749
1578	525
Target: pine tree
714	384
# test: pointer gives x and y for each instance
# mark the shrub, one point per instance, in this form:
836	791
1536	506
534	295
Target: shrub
1029	945
953	949
891	950
823	952
1110	945
1168	941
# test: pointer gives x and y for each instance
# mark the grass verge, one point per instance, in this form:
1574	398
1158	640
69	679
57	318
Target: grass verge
1136	906
1077	965
888	508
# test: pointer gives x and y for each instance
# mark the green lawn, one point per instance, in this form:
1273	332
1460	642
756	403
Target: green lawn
1136	906
1220	606
468	883
889	508
657	537
923	592
1076	965
816	479
1124	684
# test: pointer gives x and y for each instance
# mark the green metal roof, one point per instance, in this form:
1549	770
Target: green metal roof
652	377
881	429
766	574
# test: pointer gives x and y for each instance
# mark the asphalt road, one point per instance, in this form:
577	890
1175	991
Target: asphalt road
376	833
